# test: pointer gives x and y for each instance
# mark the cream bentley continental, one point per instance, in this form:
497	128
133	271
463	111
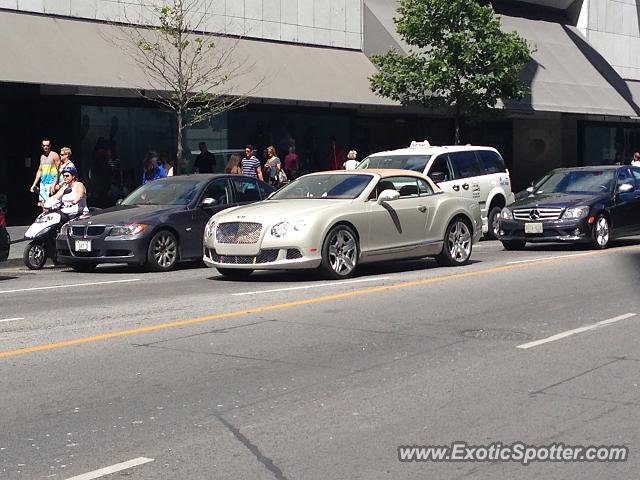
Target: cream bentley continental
338	220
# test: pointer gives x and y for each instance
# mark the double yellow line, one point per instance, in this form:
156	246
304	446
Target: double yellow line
308	301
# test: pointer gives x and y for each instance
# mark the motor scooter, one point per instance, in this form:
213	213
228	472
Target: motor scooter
43	233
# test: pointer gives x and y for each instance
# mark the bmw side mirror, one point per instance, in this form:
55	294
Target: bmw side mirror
119	202
388	196
530	189
209	202
437	177
626	188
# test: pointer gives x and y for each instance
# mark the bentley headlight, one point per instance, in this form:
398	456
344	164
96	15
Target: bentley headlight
506	214
575	213
210	229
281	229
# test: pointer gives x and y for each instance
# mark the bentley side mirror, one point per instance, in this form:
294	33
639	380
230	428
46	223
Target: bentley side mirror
626	188
388	196
437	177
209	202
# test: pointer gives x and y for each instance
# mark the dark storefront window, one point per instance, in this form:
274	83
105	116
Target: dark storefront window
113	142
604	144
309	134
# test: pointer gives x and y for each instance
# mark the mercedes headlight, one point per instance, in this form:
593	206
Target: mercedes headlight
128	230
506	214
281	229
575	213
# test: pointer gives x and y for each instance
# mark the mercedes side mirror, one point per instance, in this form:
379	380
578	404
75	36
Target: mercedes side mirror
388	196
626	188
437	177
209	202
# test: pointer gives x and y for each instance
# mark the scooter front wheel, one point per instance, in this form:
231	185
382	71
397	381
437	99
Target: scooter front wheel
34	256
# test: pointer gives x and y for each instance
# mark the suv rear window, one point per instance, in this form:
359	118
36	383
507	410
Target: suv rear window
491	162
417	163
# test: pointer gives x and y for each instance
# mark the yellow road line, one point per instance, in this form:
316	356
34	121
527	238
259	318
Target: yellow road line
296	303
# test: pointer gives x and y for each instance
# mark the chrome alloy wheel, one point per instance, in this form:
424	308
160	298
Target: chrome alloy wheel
165	250
601	232
459	242
343	252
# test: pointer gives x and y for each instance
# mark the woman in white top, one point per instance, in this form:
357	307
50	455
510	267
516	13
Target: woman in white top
72	194
351	162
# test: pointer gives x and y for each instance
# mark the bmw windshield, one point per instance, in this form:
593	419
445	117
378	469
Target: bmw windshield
417	163
343	186
578	182
171	191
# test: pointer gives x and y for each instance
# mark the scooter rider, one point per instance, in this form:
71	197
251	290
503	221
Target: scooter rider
73	195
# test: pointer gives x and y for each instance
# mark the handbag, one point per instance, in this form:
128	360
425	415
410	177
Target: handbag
282	177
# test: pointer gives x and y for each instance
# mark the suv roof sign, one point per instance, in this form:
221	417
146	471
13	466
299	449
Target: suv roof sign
422	144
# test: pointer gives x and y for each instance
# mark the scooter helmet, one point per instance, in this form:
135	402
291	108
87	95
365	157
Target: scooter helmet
70	170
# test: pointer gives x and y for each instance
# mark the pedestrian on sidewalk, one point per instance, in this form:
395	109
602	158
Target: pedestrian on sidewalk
250	164
47	171
65	162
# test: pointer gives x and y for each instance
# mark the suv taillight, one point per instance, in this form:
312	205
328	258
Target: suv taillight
3	220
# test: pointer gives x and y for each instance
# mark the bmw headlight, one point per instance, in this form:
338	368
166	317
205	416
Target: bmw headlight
209	229
506	214
281	229
575	213
128	230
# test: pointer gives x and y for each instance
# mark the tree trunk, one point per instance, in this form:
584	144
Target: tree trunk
180	153
457	124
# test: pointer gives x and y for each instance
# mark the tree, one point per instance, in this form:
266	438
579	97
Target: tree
187	72
460	60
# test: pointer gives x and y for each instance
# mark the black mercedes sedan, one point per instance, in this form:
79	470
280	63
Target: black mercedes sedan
584	204
157	225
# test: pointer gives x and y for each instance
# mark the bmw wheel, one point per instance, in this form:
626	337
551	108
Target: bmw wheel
34	256
601	233
340	253
457	245
162	254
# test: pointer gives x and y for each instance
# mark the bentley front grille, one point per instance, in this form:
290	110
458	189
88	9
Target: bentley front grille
537	214
265	256
238	232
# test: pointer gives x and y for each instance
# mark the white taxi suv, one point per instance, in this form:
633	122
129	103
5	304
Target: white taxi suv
469	171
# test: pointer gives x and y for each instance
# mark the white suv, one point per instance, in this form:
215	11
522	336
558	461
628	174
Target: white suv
469	171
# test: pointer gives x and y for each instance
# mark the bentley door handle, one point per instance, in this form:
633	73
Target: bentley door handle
465	186
422	208
456	188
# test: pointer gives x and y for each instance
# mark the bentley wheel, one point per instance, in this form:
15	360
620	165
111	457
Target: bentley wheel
457	245
601	233
234	273
493	221
340	253
162	254
513	244
34	256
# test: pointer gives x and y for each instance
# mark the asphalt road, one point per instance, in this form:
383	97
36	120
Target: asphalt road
286	376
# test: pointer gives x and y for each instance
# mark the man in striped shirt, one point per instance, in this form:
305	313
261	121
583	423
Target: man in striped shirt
250	164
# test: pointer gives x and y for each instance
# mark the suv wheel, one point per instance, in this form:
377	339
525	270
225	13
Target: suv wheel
493	221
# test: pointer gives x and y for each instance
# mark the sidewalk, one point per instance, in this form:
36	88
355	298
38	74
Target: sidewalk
17	246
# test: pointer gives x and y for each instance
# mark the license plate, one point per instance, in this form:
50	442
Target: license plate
533	227
83	245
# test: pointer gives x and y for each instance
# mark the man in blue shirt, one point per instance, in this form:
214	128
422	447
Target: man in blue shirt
250	164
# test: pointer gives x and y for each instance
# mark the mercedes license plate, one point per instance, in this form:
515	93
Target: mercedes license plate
83	245
533	227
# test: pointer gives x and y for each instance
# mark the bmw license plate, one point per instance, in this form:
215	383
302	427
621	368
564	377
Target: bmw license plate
83	245
533	227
